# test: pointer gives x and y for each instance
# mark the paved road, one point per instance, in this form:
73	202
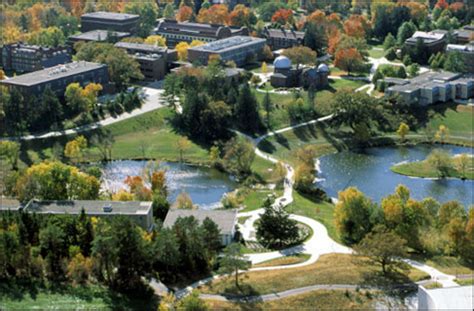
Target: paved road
153	101
280	295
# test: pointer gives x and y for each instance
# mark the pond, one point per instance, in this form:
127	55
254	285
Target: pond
206	186
370	173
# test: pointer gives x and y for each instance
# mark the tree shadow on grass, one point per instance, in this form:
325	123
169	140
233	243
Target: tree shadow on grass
394	284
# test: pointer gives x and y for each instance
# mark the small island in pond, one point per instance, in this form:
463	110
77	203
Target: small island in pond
439	164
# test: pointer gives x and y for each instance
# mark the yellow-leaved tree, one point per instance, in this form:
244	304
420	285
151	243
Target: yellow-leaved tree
74	149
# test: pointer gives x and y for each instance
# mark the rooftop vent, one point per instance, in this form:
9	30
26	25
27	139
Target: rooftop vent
107	208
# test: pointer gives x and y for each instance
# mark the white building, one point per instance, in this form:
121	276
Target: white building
447	298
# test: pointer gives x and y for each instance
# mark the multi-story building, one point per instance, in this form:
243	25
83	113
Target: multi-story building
282	38
58	78
432	87
97	36
464	35
140	212
434	41
467	53
226	221
176	32
21	57
109	21
153	60
239	49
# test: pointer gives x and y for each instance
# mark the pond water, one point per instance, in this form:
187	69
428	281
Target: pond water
370	173
206	186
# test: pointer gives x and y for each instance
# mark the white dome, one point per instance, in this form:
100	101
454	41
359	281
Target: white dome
323	68
282	62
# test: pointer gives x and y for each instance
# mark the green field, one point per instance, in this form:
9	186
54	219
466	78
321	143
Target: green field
376	53
459	120
284	261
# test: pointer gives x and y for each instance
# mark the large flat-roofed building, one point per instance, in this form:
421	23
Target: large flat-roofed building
282	38
225	220
98	36
153	60
239	49
9	205
466	52
434	41
140	212
448	298
26	58
109	21
464	35
433	87
176	32
59	77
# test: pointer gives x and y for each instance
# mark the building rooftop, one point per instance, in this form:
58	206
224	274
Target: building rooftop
110	15
284	33
460	47
52	73
90	207
227	44
98	35
142	47
9	204
428	37
225	220
428	80
452	298
171	25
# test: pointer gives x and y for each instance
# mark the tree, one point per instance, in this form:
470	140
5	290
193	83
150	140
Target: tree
383	248
264	67
462	163
192	302
348	60
51	108
216	14
455	62
413	70
275	229
216	121
211	236
442	134
246	111
403	130
183	201
183	144
156	40
168	11
52	247
74	149
242	16
406	30
182	50
268	106
389	42
79	269
283	17
239	156
300	55
11	151
356	26
232	261
122	67
185	13
148	12
439	160
315	37
352	215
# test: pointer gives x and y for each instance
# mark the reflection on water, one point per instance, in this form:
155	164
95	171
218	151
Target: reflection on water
206	186
370	172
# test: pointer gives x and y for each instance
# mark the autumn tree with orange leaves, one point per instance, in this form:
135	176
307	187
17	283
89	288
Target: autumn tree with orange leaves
356	26
216	14
242	16
283	17
348	60
442	4
185	13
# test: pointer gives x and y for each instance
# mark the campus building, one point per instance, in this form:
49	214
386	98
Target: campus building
140	212
432	87
9	205
226	221
434	41
154	60
240	49
464	35
97	36
21	57
286	75
120	22
58	78
448	298
467	53
282	38
175	32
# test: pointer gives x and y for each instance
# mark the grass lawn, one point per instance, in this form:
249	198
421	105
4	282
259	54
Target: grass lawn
92	297
253	198
316	300
424	169
264	170
329	269
283	261
465	281
376	53
446	264
243	219
459	120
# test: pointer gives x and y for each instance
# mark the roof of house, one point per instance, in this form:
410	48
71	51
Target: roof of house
98	35
228	44
225	220
91	207
110	15
53	73
9	204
